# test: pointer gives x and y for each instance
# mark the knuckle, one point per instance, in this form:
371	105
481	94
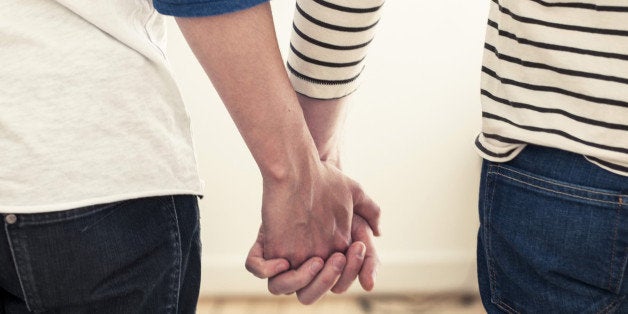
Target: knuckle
344	242
327	281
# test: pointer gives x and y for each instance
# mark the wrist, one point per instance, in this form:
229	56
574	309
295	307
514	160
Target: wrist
324	119
295	163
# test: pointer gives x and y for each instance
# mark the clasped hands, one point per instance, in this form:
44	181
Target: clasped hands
316	234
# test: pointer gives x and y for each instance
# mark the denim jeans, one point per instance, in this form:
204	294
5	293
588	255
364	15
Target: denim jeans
134	256
553	235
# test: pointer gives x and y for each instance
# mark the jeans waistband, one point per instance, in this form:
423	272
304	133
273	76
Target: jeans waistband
569	167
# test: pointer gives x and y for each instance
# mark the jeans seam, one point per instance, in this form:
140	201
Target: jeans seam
624	264
487	210
176	275
613	248
492	277
487	218
15	252
611	305
554	191
622	271
502	305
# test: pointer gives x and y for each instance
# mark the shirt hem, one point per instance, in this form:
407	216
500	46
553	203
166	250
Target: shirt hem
36	209
519	149
605	167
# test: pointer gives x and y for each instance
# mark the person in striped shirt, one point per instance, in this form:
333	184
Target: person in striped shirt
554	225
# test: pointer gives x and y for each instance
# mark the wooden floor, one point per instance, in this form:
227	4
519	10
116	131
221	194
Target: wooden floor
375	304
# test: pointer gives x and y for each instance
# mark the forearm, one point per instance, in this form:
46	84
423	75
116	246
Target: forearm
325	120
239	53
328	46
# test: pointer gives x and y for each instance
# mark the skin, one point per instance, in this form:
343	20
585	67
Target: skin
308	204
309	281
324	119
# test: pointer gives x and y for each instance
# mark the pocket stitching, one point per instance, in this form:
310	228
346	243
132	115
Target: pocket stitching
611	305
554	182
558	192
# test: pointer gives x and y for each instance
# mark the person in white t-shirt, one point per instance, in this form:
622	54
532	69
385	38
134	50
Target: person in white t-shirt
98	182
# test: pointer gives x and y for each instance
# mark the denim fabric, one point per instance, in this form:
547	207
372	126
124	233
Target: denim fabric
197	8
133	256
553	235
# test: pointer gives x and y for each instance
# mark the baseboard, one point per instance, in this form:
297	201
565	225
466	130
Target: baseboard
401	272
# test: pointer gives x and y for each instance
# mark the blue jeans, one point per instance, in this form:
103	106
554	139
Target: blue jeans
133	256
553	235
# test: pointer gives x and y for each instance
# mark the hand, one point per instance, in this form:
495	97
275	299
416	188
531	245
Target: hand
311	216
309	281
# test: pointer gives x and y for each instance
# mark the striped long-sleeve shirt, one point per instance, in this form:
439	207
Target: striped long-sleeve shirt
329	43
555	73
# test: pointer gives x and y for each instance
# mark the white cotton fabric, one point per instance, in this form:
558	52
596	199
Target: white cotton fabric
89	111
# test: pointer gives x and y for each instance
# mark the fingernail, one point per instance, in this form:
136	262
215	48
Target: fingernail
362	252
316	266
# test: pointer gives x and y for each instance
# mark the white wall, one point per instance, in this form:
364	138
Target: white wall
409	141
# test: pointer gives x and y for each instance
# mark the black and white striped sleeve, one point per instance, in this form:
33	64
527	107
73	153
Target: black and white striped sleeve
329	42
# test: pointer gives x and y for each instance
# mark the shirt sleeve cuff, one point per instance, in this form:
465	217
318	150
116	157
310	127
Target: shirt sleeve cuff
196	8
321	89
329	44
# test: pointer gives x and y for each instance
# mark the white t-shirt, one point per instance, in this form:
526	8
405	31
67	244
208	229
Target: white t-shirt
89	111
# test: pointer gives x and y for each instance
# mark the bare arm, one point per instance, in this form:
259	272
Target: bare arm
238	51
307	204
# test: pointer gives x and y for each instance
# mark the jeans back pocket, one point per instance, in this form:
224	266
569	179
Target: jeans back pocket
552	246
